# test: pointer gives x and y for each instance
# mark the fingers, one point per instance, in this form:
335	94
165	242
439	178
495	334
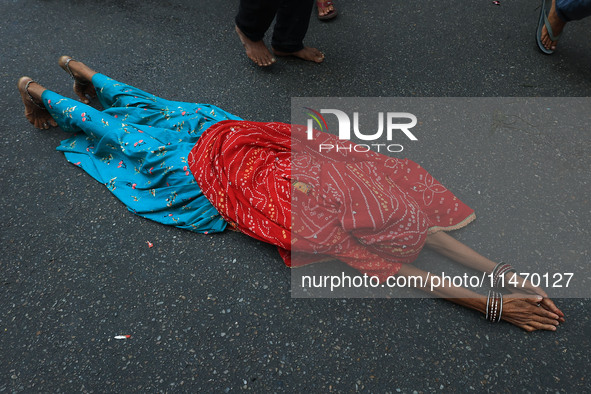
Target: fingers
533	325
536	326
531	313
540	307
542	326
548	304
535	300
542	315
547	321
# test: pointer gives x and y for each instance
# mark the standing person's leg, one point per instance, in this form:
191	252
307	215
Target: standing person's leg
553	21
252	22
290	29
573	10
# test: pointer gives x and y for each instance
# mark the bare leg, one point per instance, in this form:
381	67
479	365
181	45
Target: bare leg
82	75
35	111
256	51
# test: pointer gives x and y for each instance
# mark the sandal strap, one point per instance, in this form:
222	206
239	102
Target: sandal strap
549	28
31	97
323	4
67	65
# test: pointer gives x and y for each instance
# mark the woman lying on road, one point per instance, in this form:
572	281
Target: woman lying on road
197	167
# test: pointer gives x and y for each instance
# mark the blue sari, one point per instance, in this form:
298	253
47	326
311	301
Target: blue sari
138	148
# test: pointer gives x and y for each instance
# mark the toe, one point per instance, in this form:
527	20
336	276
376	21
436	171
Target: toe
318	56
545	40
82	96
62	61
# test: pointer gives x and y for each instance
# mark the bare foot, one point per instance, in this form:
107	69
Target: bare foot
307	53
256	51
326	10
557	26
35	111
82	75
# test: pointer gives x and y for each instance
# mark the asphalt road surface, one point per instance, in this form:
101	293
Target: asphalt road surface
215	312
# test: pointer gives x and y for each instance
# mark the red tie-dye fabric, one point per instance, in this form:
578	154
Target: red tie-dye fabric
368	210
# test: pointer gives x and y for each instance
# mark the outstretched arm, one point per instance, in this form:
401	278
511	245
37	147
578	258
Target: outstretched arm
450	247
521	310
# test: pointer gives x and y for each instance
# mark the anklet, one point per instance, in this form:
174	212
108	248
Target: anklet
67	65
31	97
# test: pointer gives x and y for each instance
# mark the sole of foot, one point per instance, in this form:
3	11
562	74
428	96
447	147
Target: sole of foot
35	111
82	86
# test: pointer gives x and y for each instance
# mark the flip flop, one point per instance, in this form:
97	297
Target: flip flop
326	4
543	21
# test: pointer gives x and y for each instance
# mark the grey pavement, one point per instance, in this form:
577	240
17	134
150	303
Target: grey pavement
214	312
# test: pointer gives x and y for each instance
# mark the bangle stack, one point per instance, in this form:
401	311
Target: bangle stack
494	306
498	274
